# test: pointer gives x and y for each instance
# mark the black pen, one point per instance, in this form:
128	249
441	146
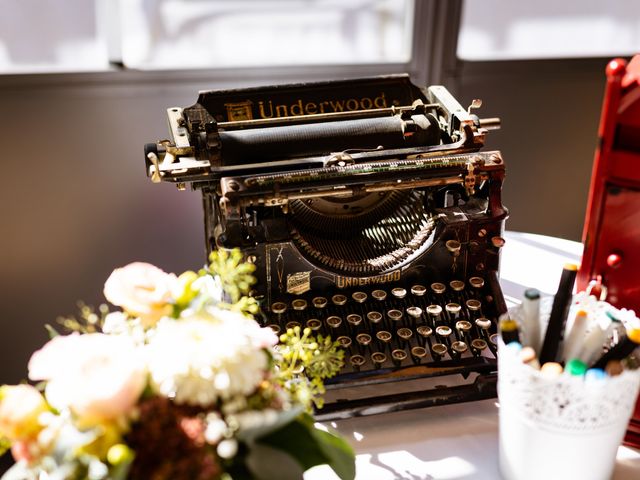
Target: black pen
620	350
558	316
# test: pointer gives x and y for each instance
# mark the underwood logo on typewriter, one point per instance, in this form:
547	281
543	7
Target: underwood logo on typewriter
346	282
298	283
239	111
267	109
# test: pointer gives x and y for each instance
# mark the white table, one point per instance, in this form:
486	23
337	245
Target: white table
461	441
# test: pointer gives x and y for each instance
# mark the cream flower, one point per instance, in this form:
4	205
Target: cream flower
207	357
142	290
98	377
20	408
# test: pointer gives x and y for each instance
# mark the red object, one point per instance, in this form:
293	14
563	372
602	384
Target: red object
611	233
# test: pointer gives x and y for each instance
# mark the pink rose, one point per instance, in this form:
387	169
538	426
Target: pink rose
98	377
141	290
20	407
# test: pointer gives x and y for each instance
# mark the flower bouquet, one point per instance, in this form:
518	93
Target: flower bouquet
181	384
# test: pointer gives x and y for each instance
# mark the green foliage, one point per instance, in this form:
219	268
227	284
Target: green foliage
311	446
305	362
88	321
235	275
5	445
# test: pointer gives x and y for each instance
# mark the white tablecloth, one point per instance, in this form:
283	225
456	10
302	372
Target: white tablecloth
461	441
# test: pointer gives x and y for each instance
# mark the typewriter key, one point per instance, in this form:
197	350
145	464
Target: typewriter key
417	354
319	302
476	283
458	348
344	341
453	311
384	339
275	328
477	346
415	313
380	295
339	299
435	312
493	343
394	316
292	325
299	304
314	324
278	308
374	317
418	290
359	297
464	328
334	321
474	306
444	332
405	335
484	324
399	293
363	340
456	285
397	357
356	362
378	358
438	350
453	246
438	288
424	334
354	319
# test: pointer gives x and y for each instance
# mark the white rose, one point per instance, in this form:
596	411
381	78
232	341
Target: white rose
98	377
142	290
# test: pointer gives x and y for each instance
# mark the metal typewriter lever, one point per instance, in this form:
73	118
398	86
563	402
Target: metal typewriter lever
344	158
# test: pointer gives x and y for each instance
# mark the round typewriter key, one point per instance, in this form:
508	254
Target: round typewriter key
334	321
319	302
484	324
292	325
476	282
474	305
453	246
414	312
299	304
438	288
398	356
339	299
434	312
477	346
363	339
380	295
394	315
405	334
438	351
456	285
444	332
314	324
417	354
356	361
359	297
378	358
458	348
425	334
399	292
374	317
384	339
418	290
493	339
275	328
453	310
344	341
278	308
464	329
354	319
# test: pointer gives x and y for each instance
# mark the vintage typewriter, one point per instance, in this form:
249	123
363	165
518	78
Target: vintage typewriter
371	215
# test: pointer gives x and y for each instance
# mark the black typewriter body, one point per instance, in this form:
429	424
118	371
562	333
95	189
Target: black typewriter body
371	214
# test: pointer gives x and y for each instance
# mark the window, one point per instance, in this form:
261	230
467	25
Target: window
501	30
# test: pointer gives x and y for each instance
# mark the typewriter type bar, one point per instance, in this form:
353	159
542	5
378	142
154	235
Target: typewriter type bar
371	214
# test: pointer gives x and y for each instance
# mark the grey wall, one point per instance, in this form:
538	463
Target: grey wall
75	202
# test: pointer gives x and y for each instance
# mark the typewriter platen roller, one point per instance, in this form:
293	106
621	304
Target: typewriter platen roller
371	214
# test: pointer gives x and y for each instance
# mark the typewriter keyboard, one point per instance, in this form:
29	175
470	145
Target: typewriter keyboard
398	326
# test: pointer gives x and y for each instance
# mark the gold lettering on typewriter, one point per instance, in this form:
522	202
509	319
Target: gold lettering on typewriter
347	282
266	109
239	111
